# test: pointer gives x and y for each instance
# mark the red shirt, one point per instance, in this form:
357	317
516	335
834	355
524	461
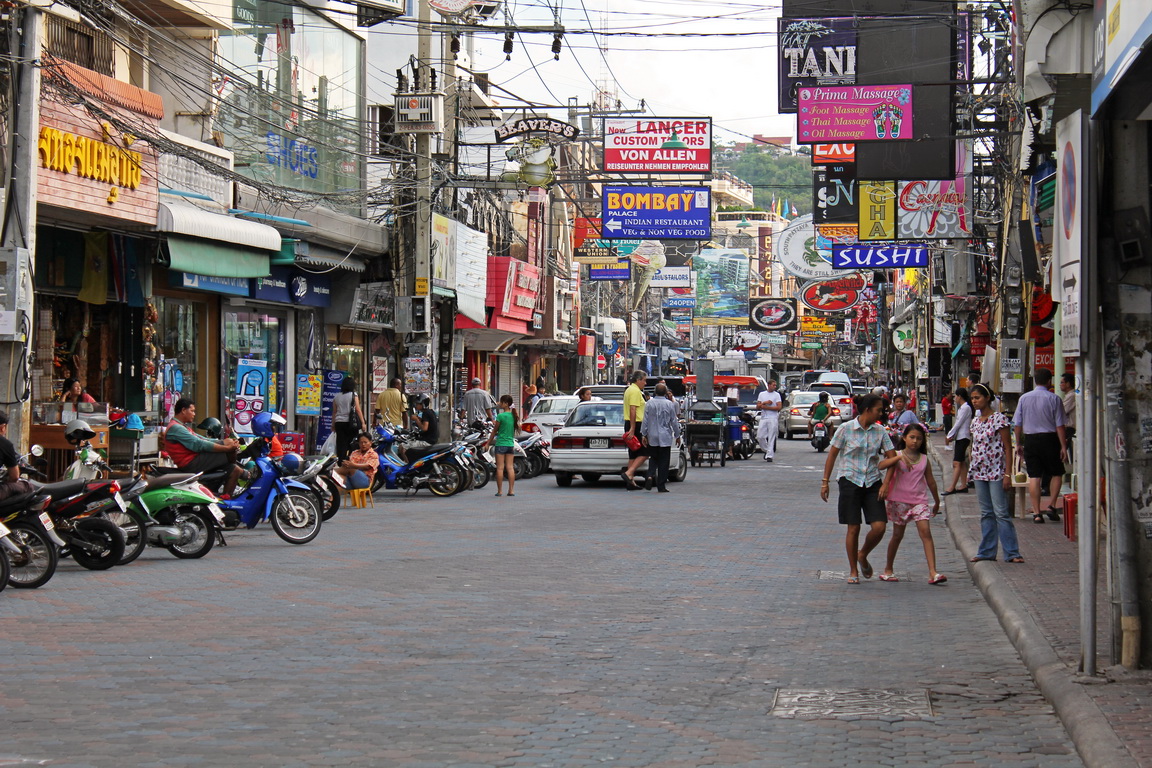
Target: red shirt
946	405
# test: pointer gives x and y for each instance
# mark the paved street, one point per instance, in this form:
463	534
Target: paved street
561	627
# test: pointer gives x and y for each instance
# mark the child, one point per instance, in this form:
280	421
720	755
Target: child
905	490
504	436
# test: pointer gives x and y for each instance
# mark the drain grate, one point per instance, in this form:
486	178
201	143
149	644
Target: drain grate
830	704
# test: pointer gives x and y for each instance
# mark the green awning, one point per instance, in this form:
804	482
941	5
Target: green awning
207	257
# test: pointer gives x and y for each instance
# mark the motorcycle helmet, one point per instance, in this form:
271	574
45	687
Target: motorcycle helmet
292	464
262	425
78	430
279	421
212	427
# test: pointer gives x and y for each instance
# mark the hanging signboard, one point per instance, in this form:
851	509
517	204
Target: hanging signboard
596	252
833	294
1069	222
834	194
855	113
796	250
672	277
887	256
937	209
721	286
814	52
251	393
616	270
658	145
654	213
877	210
773	315
830	154
904	338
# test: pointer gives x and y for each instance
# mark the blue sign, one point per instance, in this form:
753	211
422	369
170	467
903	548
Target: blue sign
329	388
620	270
236	286
657	213
862	256
680	301
290	286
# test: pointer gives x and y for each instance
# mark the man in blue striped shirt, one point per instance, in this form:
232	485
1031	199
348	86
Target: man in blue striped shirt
660	428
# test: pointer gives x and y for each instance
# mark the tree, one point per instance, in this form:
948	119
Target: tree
773	174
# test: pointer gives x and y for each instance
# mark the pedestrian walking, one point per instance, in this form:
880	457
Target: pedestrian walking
347	417
946	411
1068	397
477	404
1039	422
768	404
661	427
634	404
504	437
901	416
858	445
960	434
905	494
991	459
392	405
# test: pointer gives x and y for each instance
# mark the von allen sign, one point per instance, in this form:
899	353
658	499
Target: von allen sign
658	145
656	213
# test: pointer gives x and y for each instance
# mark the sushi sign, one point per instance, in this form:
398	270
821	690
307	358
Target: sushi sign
658	145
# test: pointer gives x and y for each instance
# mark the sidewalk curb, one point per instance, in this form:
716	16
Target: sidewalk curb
1096	742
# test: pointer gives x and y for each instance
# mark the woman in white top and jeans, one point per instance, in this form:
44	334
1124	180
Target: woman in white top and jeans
345	412
961	433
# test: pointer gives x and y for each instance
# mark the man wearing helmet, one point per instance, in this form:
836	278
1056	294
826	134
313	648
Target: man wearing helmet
199	454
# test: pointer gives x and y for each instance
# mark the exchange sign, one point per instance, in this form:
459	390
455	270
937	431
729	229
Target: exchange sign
658	145
655	213
862	256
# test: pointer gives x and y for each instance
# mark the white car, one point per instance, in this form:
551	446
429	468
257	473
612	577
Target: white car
591	444
549	413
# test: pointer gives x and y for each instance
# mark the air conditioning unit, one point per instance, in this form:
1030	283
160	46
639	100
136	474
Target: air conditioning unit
419	113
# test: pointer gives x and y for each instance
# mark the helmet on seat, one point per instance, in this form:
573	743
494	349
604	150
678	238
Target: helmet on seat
292	463
262	425
212	427
77	430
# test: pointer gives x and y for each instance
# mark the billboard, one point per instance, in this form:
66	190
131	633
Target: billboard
887	256
798	252
658	144
855	113
617	270
834	194
835	294
773	315
654	213
814	52
672	277
721	286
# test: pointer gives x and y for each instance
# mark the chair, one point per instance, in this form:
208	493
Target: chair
360	498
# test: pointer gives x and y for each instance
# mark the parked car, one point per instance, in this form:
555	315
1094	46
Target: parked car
549	413
794	418
591	444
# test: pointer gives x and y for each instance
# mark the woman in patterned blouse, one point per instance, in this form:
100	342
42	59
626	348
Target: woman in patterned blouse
990	460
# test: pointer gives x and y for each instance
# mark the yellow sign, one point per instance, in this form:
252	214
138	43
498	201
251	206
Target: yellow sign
877	210
421	286
90	158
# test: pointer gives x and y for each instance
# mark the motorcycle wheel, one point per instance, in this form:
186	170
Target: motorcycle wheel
535	464
447	480
296	517
104	536
5	572
135	531
520	467
377	481
484	473
329	493
37	562
198	524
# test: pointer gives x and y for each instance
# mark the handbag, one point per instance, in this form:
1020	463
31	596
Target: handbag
632	442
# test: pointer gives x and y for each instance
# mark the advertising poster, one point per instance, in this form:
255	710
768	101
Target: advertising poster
250	394
379	373
721	287
471	273
834	194
443	252
329	388
797	249
616	270
814	52
834	294
937	209
308	394
418	376
658	145
776	315
855	113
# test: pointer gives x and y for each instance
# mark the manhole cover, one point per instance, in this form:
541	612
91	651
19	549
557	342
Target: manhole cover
824	704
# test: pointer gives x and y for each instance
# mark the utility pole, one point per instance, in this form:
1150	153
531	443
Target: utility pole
19	234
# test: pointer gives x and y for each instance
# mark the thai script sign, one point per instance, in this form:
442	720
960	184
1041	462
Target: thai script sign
902	256
815	52
658	145
649	213
855	113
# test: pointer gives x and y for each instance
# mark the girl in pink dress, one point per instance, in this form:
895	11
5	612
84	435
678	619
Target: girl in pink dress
905	491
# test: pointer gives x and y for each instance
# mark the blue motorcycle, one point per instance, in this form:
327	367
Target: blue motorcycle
435	467
271	493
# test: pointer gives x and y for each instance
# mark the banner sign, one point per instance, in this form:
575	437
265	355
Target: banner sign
721	286
251	393
595	251
773	315
1067	247
653	213
679	301
443	252
834	194
616	270
329	388
855	113
658	145
527	125
834	294
937	209
585	228
761	286
814	52
796	250
831	154
307	394
877	210
672	277
471	273
889	256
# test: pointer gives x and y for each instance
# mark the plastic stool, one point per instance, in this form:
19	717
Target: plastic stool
361	497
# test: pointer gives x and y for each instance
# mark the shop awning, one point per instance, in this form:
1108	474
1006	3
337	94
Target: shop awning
326	258
206	257
185	219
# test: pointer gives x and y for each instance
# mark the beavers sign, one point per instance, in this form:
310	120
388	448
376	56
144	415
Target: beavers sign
536	125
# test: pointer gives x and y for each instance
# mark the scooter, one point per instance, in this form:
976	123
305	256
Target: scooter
433	468
320	476
821	436
78	510
32	544
173	511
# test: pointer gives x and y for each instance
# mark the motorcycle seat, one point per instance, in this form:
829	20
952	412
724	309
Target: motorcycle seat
167	480
62	489
160	471
18	501
418	453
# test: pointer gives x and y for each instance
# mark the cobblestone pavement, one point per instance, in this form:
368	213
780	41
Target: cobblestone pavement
560	627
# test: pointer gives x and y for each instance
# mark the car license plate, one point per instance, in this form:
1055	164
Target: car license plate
46	521
598	442
4	530
216	512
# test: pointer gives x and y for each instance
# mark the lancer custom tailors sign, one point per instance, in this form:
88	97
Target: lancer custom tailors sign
658	145
855	113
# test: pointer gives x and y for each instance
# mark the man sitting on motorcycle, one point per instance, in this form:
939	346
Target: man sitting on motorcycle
199	454
820	411
10	482
428	422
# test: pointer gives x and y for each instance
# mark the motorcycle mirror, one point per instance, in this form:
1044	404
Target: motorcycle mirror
36	450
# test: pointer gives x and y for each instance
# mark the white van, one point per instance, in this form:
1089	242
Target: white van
837	376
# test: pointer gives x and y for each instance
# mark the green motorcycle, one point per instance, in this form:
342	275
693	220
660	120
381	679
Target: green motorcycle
173	511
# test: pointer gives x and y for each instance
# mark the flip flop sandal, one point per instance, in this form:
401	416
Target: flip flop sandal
889	577
853	579
938	579
1053	513
982	560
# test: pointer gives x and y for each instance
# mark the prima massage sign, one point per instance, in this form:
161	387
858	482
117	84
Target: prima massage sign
855	113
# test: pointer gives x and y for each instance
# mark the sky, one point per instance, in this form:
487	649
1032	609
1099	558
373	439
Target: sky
729	78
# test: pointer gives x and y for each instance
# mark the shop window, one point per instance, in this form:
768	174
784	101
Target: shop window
176	367
257	336
79	44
